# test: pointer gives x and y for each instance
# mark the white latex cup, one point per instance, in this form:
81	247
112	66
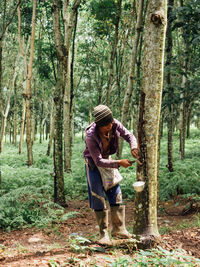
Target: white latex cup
139	186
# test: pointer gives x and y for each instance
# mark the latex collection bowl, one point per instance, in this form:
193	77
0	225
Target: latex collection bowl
139	186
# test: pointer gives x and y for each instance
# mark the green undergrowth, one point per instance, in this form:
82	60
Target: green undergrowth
26	193
154	257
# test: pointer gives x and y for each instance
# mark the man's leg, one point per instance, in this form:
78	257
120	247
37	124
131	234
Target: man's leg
117	212
97	202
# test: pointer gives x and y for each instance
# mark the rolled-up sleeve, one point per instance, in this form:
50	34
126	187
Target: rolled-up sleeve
96	155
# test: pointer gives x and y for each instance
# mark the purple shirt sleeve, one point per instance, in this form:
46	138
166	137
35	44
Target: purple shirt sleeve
129	137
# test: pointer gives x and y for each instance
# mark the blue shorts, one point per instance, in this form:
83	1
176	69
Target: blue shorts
96	190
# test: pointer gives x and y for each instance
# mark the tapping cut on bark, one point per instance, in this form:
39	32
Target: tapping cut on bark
145	208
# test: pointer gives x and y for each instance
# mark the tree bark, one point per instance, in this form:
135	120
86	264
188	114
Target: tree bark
145	211
51	129
182	122
170	89
41	121
4	26
6	107
113	54
129	90
15	116
22	126
62	51
28	90
59	195
188	118
67	122
1	54
72	84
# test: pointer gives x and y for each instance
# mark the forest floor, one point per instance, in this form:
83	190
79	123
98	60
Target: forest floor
52	247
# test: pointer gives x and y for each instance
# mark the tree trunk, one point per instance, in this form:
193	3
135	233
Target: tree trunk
15	117
113	53
188	117
182	122
170	89
1	54
41	121
3	129
51	130
5	108
28	90
67	121
5	22
129	90
145	210
72	83
62	51
22	126
59	195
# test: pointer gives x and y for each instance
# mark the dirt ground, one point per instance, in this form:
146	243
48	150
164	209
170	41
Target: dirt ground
51	247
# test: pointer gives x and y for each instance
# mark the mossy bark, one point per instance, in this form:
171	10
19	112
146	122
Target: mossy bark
145	214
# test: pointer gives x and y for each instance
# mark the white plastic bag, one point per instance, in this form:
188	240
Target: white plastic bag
110	177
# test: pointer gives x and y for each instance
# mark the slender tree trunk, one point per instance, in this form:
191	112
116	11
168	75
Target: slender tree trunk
3	130
28	90
188	117
161	125
129	90
67	121
15	117
4	113
113	54
62	51
182	123
33	127
5	22
1	54
22	126
47	130
72	84
59	195
41	121
170	89
51	136
145	208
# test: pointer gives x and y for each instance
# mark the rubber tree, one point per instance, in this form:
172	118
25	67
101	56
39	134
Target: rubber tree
27	85
7	13
170	90
129	89
5	111
62	91
145	208
113	52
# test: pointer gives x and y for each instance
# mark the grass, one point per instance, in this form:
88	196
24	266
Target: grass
26	193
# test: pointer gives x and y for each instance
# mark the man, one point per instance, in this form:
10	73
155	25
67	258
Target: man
101	140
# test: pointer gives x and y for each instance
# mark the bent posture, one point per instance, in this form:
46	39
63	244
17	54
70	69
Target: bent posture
101	141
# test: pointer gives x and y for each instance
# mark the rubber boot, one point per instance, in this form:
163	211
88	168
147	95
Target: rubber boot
118	222
102	220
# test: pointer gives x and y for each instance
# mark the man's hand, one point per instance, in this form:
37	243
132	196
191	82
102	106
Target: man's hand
135	153
125	163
